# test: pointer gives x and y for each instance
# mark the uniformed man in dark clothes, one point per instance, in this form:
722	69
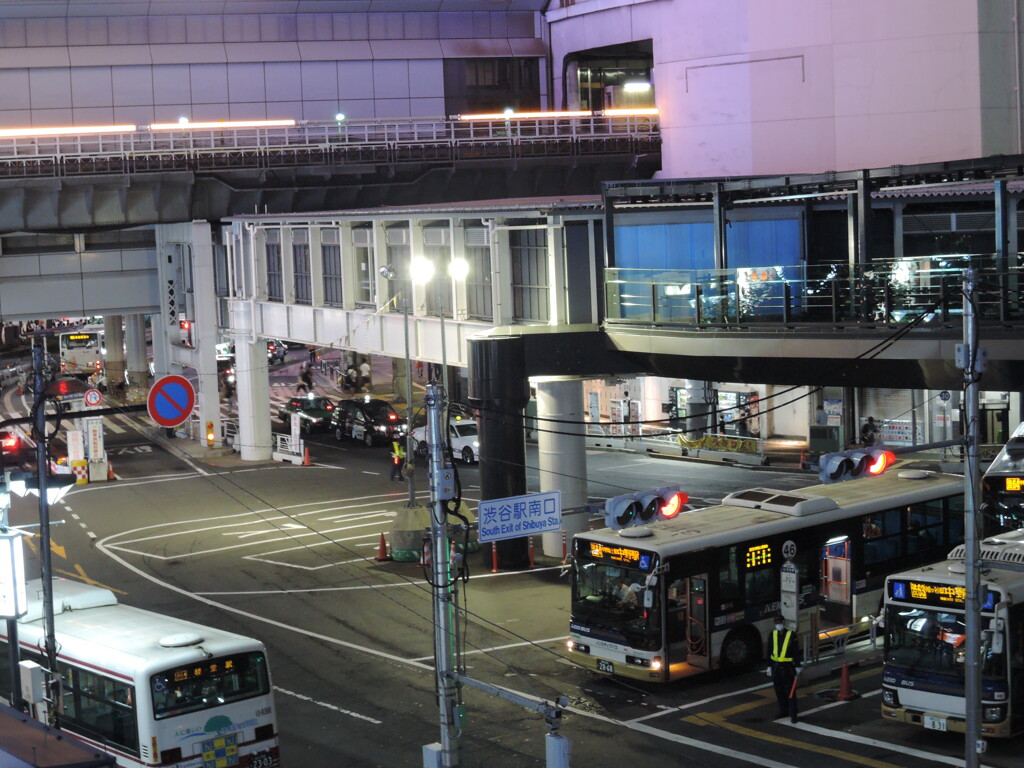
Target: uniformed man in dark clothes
785	666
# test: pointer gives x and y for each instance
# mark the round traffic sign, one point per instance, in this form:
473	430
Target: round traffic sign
93	397
789	549
171	400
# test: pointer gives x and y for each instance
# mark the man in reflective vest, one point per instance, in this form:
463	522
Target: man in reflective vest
397	460
785	666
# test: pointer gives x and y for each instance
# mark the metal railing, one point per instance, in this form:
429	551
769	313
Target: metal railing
320	143
880	293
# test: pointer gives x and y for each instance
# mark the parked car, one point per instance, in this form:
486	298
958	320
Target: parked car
315	412
463	435
367	419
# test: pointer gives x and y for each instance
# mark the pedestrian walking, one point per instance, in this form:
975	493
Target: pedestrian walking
312	354
305	383
364	373
784	668
397	460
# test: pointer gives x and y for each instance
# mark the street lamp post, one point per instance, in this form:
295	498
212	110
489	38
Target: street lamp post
388	272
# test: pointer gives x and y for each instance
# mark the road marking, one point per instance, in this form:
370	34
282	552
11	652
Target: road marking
560	638
766	698
79	573
897	748
112	426
324	704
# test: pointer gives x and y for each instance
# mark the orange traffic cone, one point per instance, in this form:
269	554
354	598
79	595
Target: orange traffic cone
846	692
110	471
305	457
382	550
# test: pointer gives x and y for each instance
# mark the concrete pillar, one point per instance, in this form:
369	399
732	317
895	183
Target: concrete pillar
135	351
562	449
255	441
114	340
498	388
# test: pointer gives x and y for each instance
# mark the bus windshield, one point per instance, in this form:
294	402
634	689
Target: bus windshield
612	597
210	683
921	641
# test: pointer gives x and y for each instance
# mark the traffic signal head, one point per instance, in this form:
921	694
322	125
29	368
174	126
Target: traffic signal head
644	507
848	465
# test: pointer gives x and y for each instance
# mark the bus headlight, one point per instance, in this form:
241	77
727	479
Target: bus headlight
890	698
993	714
572	645
656	663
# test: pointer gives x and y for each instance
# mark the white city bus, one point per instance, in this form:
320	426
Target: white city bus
925	638
707	582
150	689
81	350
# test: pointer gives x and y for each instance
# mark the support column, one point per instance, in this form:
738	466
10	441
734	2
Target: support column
114	341
135	351
563	458
251	386
498	388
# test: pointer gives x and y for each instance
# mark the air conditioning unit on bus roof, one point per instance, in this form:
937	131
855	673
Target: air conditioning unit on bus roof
786	502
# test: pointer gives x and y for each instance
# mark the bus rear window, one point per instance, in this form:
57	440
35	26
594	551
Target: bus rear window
209	683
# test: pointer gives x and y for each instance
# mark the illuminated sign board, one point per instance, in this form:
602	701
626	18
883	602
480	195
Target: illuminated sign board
758	555
1015	484
632	558
937	595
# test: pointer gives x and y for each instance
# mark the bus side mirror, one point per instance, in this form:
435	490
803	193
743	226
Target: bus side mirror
648	598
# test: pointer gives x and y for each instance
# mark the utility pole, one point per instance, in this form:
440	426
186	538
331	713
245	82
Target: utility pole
446	753
42	472
971	358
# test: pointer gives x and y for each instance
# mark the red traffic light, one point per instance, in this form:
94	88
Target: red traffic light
881	462
673	505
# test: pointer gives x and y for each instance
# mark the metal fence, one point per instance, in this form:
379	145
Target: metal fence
882	292
325	143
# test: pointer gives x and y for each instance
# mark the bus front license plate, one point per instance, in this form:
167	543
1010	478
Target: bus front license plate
605	666
261	760
934	723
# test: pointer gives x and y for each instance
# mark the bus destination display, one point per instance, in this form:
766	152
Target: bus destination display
625	555
937	595
1015	484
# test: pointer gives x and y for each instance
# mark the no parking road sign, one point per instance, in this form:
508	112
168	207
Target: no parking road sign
171	400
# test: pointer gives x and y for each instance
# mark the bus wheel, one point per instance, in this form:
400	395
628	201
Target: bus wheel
740	649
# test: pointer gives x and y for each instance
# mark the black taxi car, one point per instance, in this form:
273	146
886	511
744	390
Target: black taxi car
367	419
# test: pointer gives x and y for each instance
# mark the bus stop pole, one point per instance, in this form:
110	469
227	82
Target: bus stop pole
971	359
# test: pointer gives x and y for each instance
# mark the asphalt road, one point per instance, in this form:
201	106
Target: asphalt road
286	553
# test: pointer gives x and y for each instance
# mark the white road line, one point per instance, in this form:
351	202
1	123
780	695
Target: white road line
327	706
895	748
701	703
112	426
215	550
503	647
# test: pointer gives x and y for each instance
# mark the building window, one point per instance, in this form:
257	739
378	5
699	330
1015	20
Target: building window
478	283
439	289
364	275
529	274
275	277
331	256
303	279
491	85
